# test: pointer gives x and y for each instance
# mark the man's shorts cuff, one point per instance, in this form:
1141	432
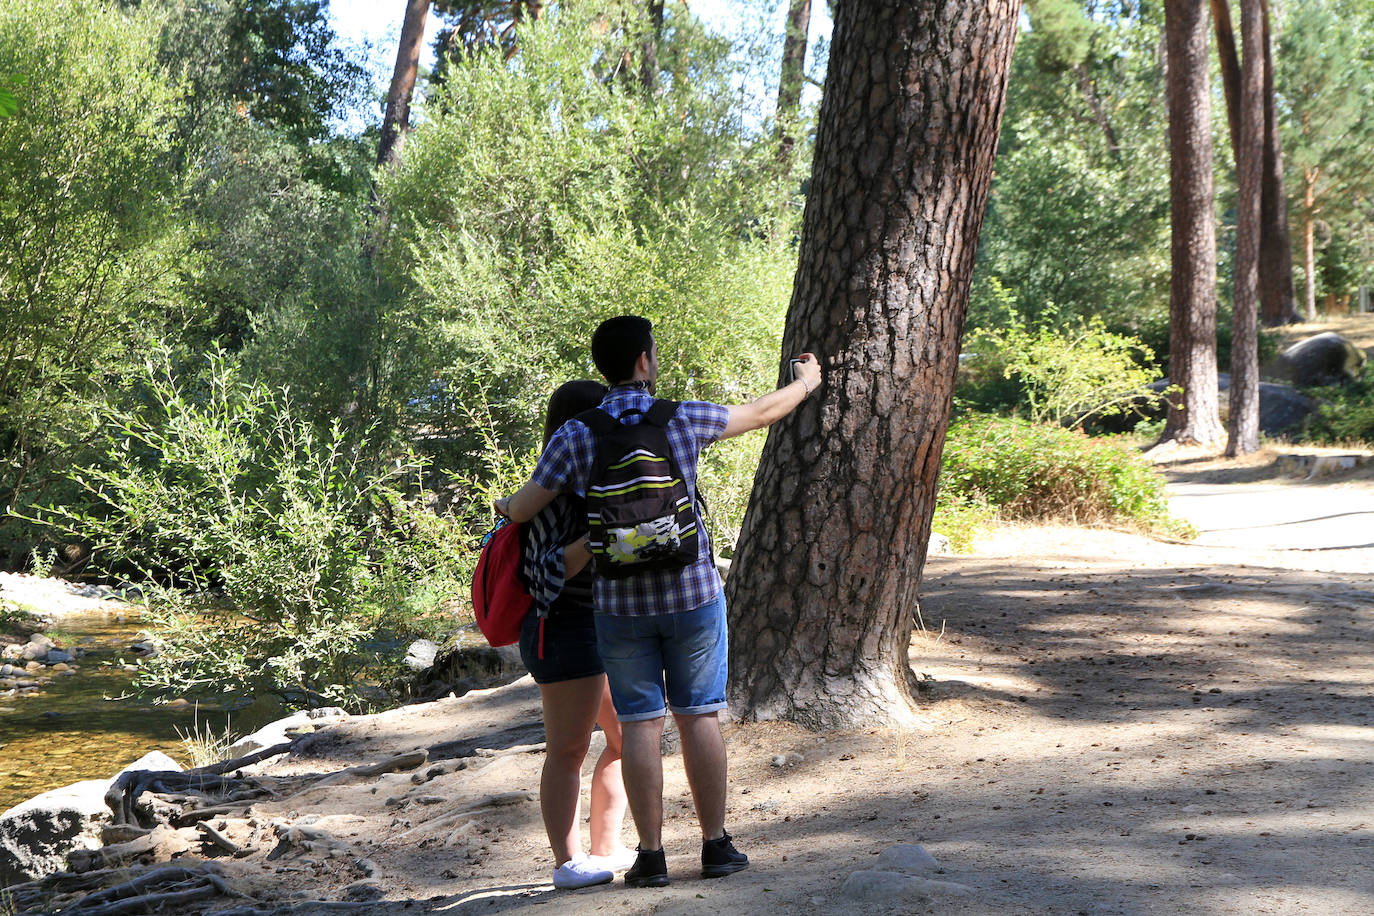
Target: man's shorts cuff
642	716
698	710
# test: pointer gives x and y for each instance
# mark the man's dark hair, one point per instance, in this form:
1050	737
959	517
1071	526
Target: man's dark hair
569	400
617	343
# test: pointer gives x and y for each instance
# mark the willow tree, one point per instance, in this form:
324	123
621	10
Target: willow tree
825	582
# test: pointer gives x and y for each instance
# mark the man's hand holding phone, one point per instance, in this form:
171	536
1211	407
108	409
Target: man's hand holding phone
807	370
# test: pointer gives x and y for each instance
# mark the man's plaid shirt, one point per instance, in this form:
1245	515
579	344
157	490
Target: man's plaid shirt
566	464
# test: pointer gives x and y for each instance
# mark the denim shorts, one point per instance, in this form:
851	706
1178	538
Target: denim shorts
680	658
569	644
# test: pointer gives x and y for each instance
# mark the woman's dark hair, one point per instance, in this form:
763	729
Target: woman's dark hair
569	400
617	343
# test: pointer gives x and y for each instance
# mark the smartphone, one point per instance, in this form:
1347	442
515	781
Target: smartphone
793	364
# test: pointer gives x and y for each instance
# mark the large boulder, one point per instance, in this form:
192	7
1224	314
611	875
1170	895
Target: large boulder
1282	408
1326	359
36	836
465	662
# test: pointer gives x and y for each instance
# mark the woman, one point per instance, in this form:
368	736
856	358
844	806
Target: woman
558	645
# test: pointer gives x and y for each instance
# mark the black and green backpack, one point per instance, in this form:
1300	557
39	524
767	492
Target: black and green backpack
639	509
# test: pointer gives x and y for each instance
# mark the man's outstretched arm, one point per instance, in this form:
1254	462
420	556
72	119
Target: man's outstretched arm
772	407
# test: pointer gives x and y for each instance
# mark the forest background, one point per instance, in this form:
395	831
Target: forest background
277	383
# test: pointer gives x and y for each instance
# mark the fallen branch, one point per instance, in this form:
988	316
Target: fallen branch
219	840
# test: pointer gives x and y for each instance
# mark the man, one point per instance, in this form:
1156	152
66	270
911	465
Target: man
661	633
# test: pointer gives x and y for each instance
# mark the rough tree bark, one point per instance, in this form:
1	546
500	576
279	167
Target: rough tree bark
825	583
1243	424
1278	304
397	118
1193	417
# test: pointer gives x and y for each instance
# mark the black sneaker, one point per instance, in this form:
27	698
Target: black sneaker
719	858
650	869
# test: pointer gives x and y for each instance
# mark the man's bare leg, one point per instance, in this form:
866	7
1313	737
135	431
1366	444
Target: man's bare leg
703	756
642	768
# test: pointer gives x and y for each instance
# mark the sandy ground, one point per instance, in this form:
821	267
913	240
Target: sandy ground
1113	724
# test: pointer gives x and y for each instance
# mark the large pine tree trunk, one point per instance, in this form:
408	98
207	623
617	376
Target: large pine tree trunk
1193	417
1243	424
397	118
824	586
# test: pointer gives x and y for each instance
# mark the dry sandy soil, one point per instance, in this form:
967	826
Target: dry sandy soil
1112	724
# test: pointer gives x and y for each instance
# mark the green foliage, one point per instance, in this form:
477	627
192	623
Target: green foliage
1078	218
86	247
277	554
1345	413
9	102
1068	376
1324	74
1028	471
274	63
545	193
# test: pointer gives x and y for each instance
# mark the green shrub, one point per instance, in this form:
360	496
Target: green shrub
1070	375
277	557
1345	414
1028	471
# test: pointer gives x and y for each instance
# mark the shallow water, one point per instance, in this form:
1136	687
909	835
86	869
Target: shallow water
85	727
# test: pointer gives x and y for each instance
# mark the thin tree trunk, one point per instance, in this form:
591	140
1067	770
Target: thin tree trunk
824	586
1243	423
1278	304
396	121
1193	417
1309	240
1099	113
1229	61
792	76
648	61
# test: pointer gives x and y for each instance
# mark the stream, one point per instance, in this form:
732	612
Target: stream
86	726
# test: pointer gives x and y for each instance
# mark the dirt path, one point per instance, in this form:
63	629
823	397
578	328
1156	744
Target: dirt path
1113	725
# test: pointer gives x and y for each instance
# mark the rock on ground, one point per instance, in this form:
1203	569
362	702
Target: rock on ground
36	836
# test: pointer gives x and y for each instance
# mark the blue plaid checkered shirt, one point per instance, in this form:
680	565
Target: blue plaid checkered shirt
566	464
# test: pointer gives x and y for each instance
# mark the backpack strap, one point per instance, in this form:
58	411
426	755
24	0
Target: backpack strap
660	413
598	421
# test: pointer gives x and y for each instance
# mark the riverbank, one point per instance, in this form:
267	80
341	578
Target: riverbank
66	713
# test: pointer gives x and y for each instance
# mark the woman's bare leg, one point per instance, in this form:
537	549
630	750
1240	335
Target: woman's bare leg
570	710
608	791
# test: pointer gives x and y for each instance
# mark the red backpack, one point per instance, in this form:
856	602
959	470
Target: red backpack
500	599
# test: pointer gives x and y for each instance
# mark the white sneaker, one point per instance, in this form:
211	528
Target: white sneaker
580	872
619	860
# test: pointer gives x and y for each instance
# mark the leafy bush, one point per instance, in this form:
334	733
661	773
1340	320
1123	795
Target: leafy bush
1066	376
1345	414
278	557
1031	471
543	196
